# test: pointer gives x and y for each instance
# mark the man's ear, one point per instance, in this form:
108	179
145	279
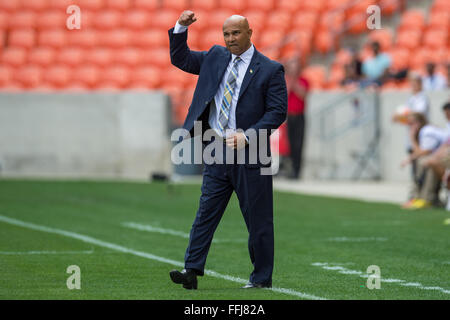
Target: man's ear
250	32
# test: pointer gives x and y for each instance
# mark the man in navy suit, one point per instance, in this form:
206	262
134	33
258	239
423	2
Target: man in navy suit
239	92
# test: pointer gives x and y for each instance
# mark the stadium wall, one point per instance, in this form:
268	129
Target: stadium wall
89	135
126	135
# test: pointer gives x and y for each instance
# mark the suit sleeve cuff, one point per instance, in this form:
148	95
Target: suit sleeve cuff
179	28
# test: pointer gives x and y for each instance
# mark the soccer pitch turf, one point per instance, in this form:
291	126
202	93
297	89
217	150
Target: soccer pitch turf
126	237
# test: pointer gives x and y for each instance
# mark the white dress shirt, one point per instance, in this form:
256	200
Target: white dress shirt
242	69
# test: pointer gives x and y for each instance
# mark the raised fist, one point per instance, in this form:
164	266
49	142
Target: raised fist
187	18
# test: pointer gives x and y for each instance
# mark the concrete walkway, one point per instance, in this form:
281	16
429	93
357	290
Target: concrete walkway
368	191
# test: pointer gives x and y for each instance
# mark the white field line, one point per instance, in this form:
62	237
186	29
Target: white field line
141	254
44	252
404	283
149	228
362	239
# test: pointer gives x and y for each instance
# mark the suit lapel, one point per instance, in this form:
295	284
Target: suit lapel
222	66
251	71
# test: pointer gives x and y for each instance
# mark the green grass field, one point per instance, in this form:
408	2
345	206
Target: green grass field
120	233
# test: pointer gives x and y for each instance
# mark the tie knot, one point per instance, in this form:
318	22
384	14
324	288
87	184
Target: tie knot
237	60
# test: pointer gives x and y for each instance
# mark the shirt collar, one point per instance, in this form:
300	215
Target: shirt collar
246	56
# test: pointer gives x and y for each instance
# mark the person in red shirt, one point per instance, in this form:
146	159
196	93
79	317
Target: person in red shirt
297	93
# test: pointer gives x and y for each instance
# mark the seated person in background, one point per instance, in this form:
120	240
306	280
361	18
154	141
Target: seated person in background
353	71
425	140
376	69
433	80
439	161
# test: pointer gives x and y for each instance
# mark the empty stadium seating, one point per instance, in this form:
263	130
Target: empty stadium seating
123	44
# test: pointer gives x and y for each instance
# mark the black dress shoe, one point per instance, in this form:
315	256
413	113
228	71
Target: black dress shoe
187	277
256	285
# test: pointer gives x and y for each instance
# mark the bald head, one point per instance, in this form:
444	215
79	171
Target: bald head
237	19
237	34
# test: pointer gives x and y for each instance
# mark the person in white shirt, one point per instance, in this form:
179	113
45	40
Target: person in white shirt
433	80
425	140
439	162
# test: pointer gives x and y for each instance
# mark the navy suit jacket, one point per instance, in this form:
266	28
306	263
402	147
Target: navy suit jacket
262	102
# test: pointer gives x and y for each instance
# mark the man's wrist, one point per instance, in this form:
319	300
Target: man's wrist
179	28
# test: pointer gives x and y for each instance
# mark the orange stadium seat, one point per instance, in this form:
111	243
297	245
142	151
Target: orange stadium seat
331	21
313	6
136	19
207	5
29	76
58	75
266	5
388	7
147	4
435	39
84	38
42	56
439	20
116	74
337	5
4	20
315	74
6	74
2	40
357	22
217	18
53	38
100	56
211	38
179	5
303	39
412	19
35	5
116	38
128	56
108	19
13	56
290	5
343	57
89	75
305	20
52	19
336	75
194	37
271	38
71	56
150	38
158	57
122	5
409	39
10	5
400	58
440	5
88	19
147	76
324	42
22	19
383	37
25	38
279	20
59	4
257	21
93	5
419	57
165	19
173	76
237	6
